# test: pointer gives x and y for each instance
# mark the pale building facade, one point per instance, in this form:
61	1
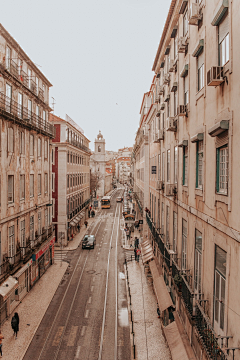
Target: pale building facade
191	124
26	233
70	178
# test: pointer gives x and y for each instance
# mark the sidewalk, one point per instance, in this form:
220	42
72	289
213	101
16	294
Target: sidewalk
148	337
31	311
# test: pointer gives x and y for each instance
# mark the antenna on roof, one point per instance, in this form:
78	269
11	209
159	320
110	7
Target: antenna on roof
53	103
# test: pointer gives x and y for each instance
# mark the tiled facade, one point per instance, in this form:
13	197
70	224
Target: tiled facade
185	169
25	214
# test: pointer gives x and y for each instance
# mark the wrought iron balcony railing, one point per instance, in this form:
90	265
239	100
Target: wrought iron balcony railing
11	110
74	212
79	145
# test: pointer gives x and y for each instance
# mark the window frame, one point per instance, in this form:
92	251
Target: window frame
218	175
199	154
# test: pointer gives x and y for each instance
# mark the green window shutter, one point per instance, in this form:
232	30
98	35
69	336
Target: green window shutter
217	170
183	165
197	165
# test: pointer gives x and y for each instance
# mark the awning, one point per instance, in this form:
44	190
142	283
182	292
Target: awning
175	342
77	218
184	71
198	49
148	257
72	223
163	297
219	128
154	270
23	269
146	242
8	286
146	251
197	137
174	87
220	12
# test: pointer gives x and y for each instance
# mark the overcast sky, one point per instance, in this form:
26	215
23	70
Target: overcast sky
98	54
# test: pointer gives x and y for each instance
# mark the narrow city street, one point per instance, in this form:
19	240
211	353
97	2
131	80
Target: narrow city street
87	318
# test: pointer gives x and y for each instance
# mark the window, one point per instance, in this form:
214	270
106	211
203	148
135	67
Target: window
68	181
185	23
223	39
45	149
11	241
175	103
46	183
174	231
31	150
167	226
175	164
39	223
10	188
20	105
184	244
29	109
53	182
159	166
43	87
8	58
168	108
162	221
199	165
168	166
31	185
163	124
175	46
39	184
22	142
10	140
163	165
22	187
32	235
186	90
39	147
44	117
222	170
22	235
8	97
200	64
185	165
198	261
29	78
220	285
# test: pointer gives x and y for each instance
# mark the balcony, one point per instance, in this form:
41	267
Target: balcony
41	94
11	110
33	87
23	78
77	144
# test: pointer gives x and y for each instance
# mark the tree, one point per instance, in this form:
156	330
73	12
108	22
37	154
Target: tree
95	179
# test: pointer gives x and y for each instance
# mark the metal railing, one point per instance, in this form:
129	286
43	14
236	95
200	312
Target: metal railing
10	109
207	335
187	296
79	145
78	209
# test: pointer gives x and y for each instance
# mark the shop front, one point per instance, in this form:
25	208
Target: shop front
42	260
7	297
23	276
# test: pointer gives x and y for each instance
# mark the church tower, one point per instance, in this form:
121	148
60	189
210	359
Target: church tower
99	162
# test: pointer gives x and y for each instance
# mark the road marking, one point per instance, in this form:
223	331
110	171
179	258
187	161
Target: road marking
83	330
92	288
58	335
86	314
90	300
78	352
72	336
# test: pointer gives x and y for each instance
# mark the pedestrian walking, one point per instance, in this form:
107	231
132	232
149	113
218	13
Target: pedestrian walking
136	243
15	324
135	253
72	236
78	227
86	223
92	213
1	338
138	254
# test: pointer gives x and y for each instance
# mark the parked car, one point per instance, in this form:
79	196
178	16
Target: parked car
88	242
119	199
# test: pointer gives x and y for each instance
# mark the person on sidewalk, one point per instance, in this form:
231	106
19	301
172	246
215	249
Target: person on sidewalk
86	223
1	338
72	236
136	242
78	227
15	324
135	253
138	254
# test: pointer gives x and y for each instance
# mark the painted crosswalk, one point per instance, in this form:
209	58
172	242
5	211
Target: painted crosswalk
60	255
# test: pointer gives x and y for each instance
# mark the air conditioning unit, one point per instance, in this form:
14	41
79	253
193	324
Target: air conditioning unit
161	89
171	124
160	135
160	185
166	79
215	76
171	66
171	190
182	43
194	14
162	106
182	110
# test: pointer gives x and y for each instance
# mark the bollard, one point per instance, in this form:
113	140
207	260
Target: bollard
134	352
130	299
132	328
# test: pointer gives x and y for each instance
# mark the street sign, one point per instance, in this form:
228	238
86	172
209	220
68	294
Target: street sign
154	170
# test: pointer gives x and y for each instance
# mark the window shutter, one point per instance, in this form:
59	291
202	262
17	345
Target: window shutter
222	139
223	28
201	59
217	172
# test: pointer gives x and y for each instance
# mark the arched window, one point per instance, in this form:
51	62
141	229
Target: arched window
99	148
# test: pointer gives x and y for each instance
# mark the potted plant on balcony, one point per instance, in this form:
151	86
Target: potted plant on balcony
178	281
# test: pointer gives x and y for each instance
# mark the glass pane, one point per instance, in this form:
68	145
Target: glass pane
217	285
221	258
222	303
198	243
